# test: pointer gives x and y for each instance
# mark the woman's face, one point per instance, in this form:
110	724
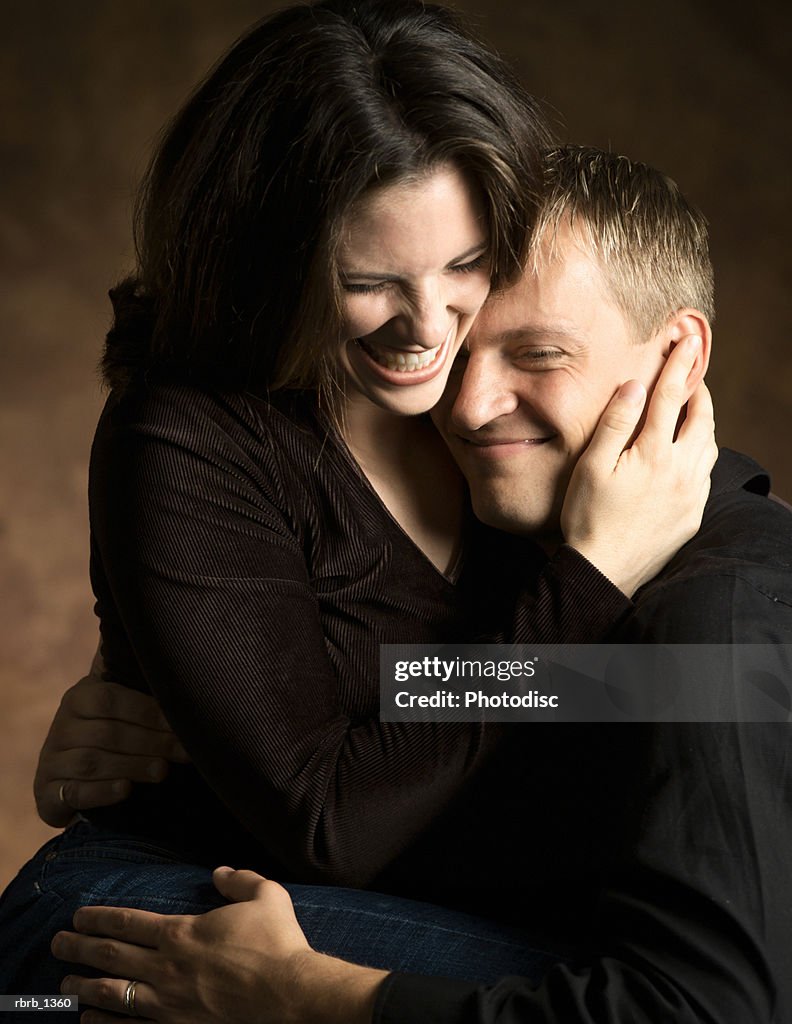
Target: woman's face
414	273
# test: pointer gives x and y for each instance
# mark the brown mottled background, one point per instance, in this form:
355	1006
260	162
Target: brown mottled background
698	87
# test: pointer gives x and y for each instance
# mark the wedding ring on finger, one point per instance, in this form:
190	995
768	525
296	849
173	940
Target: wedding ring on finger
129	1000
62	794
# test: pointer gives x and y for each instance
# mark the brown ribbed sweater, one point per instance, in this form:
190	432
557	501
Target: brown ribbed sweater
246	573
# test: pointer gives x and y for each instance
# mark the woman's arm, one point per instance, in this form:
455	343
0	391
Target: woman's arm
204	532
303	765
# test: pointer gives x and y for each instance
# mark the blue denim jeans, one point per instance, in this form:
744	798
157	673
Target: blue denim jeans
87	865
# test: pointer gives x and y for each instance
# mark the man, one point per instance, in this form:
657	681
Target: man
655	855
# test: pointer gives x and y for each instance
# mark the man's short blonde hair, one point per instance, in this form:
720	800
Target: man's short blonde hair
649	241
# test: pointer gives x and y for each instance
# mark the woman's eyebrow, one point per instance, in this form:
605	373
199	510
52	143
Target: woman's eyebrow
474	250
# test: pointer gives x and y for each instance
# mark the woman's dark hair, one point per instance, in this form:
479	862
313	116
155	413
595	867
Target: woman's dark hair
238	217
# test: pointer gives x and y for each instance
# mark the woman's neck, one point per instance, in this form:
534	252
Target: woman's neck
408	465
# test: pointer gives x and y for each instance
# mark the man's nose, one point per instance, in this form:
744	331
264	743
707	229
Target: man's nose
483	394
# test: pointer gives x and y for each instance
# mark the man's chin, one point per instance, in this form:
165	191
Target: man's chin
541	525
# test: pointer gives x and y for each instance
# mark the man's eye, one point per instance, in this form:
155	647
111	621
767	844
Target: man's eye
538	355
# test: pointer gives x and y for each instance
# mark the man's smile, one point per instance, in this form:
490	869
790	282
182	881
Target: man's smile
501	447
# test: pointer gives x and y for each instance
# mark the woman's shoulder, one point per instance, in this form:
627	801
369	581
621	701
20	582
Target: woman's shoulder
201	419
274	449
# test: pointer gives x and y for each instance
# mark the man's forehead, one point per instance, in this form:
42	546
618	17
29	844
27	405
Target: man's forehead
522	329
554	299
514	316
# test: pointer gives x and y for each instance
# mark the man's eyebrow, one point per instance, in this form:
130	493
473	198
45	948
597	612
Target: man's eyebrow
474	250
534	332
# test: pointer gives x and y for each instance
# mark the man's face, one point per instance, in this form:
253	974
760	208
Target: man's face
544	360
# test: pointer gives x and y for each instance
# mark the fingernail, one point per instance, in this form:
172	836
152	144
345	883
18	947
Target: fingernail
155	770
119	787
633	391
693	342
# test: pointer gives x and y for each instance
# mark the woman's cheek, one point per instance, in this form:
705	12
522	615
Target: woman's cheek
363	315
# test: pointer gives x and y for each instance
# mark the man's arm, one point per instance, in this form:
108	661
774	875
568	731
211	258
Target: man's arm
244	963
692	921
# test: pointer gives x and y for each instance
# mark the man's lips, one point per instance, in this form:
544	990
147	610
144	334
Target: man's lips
498	447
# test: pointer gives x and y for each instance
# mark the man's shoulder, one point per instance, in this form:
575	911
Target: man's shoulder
744	532
733	580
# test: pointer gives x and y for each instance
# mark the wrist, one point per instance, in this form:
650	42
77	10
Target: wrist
331	991
627	577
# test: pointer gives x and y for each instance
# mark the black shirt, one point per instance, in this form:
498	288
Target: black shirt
246	573
660	853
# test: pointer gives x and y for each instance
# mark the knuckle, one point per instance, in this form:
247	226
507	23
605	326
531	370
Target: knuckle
122	920
106	992
176	930
80	698
103	700
108	951
618	417
618	423
671	392
86	764
268	887
71	698
105	734
151	715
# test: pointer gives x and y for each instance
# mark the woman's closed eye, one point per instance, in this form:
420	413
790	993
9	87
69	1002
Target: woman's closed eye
365	289
480	262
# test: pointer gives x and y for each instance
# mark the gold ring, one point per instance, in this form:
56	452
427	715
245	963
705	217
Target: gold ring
129	999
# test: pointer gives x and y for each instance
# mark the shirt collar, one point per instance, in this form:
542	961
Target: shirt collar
735	471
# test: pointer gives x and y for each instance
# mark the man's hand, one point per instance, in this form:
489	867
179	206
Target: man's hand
104	737
247	963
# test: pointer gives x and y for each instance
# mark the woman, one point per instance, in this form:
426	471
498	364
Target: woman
318	230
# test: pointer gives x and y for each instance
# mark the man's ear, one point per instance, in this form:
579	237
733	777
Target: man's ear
682	324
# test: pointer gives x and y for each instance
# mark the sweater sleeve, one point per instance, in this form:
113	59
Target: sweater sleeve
212	591
516	595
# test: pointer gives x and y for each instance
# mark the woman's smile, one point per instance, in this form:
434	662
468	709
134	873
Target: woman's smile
405	366
414	273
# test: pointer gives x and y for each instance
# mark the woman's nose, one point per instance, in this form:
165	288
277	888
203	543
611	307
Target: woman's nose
429	318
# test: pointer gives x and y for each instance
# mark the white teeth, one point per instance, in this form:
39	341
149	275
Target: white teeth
403	362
